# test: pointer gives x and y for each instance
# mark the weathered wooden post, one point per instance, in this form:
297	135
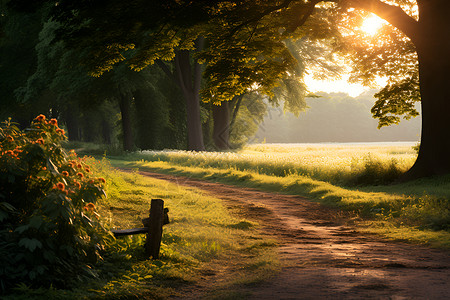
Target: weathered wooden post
156	220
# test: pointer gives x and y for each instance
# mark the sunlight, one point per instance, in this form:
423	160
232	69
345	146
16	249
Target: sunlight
372	24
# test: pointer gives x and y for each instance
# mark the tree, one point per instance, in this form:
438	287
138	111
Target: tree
429	35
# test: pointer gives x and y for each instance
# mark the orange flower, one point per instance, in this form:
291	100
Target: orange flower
87	170
79	166
60	186
40	141
79	174
10	152
40	118
77	184
91	181
60	131
10	138
44	168
65	173
54	122
90	207
102	179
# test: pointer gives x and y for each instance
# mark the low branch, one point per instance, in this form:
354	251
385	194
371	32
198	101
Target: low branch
391	13
309	11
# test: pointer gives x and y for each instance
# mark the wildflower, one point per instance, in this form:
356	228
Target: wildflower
79	174
40	141
91	181
88	170
60	186
65	173
10	138
89	207
102	179
54	122
60	131
44	168
77	184
40	118
79	166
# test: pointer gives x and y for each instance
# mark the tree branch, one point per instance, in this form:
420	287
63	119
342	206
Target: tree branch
310	9
258	17
391	13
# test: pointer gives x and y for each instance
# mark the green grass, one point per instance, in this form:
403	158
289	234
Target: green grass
202	234
342	165
417	211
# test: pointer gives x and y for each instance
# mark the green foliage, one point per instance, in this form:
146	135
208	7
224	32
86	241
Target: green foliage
395	100
390	54
48	224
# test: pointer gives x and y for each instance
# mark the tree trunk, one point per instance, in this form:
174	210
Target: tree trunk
72	123
189	83
125	111
221	131
433	48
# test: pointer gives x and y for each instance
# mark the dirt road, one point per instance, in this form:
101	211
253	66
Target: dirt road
325	260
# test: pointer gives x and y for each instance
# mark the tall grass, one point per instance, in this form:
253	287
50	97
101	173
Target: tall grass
337	164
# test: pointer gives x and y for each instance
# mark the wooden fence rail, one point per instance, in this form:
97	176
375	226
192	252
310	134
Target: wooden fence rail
152	227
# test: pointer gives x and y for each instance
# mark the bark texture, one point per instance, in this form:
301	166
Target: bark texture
433	48
221	131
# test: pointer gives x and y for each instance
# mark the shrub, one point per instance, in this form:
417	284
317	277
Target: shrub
50	233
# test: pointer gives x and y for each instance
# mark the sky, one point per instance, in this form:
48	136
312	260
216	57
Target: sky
370	27
336	86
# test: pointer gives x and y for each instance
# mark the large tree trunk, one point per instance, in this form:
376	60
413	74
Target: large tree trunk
221	131
127	128
189	82
433	48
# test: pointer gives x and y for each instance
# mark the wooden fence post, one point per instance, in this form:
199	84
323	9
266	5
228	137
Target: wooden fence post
153	242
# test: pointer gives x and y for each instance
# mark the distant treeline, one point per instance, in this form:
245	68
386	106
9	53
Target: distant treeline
334	117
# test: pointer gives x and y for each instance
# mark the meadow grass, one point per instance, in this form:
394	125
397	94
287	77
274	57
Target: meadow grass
338	164
202	234
359	179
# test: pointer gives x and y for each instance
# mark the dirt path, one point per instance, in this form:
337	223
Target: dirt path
323	259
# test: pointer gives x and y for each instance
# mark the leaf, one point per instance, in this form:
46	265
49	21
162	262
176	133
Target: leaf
22	228
30	244
35	222
7	206
3	216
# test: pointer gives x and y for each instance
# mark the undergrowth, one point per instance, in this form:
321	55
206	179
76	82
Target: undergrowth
201	232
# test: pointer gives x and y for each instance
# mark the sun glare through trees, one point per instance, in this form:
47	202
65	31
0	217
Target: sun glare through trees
372	24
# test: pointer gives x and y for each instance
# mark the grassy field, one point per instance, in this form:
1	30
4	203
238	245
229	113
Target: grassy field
338	164
358	178
203	238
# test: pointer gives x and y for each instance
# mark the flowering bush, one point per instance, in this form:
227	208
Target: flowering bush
50	232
